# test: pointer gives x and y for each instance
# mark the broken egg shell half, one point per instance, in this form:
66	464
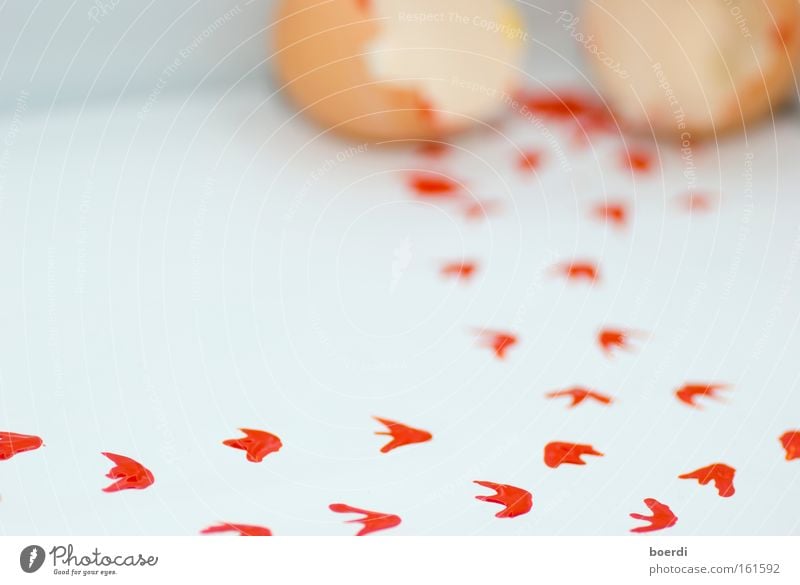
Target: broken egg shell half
398	69
692	69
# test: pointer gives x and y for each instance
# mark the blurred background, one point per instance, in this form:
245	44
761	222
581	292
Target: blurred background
70	52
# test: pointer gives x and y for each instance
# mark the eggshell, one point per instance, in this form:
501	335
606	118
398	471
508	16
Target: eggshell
692	69
398	69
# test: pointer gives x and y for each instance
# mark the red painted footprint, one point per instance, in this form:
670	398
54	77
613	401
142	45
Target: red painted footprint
791	443
557	453
697	202
578	395
578	270
14	443
691	392
637	160
257	444
431	185
476	210
460	270
719	473
611	340
401	434
517	501
498	341
530	160
242	529
372	521
661	518
433	149
615	214
129	473
584	112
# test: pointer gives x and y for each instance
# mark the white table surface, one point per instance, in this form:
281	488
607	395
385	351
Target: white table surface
174	273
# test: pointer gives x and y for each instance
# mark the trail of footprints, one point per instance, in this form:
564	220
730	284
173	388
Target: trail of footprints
259	444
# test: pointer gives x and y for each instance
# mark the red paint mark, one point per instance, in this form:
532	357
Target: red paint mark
432	186
638	161
13	443
662	517
690	392
564	106
258	444
517	501
460	270
432	149
791	442
372	521
614	213
588	113
578	395
697	202
480	209
498	341
130	474
587	271
719	473
401	434
530	160
784	33
556	453
242	529
613	339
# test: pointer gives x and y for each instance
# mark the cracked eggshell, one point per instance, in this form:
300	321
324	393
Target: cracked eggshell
398	69
692	69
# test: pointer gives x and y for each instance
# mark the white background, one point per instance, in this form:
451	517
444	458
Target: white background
366	561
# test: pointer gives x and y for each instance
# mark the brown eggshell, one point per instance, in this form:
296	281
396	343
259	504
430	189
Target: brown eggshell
692	69
325	54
